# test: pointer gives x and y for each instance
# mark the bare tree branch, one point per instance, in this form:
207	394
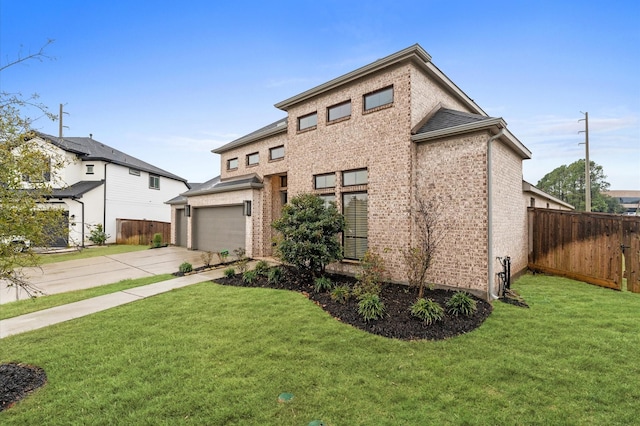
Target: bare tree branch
39	56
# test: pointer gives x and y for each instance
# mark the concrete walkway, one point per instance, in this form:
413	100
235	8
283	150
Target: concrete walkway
79	309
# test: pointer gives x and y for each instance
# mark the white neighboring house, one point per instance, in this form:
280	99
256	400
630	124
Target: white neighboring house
99	184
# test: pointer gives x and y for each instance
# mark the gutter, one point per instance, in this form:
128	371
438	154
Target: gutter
490	289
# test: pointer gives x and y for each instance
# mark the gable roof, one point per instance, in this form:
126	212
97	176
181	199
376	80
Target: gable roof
90	149
445	118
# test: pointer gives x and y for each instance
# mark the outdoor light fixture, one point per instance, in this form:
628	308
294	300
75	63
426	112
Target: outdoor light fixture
187	210
247	208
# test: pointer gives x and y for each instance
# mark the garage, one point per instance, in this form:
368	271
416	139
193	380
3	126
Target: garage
181	228
218	228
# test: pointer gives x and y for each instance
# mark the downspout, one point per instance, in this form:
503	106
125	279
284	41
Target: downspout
104	201
490	295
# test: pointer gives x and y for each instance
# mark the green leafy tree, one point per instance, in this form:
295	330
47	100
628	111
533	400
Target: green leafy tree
309	233
27	173
568	184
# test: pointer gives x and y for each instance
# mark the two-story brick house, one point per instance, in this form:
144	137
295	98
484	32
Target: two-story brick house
374	140
98	184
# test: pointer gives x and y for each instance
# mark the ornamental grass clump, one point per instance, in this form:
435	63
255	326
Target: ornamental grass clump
461	303
341	293
371	307
322	284
427	310
275	274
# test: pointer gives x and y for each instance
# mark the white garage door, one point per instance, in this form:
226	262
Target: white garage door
219	228
181	228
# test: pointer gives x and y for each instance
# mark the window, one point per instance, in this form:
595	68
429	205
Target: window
276	153
355	237
232	164
379	98
154	182
355	177
339	111
134	172
46	173
324	181
89	169
283	181
308	121
253	159
327	198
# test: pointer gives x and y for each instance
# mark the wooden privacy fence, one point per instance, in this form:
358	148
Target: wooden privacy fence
586	246
140	232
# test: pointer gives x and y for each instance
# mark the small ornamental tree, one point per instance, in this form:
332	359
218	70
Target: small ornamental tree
309	233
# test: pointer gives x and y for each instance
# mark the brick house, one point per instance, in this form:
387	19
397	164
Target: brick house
373	141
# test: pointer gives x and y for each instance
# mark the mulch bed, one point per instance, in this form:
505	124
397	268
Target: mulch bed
17	381
397	322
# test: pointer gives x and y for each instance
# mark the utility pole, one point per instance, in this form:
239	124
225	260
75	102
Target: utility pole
60	135
587	164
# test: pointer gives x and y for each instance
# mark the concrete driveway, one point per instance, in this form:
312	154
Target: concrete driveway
85	273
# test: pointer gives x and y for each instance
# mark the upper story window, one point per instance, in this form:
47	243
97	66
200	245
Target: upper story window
89	169
253	159
232	164
328	199
154	181
324	181
355	177
378	98
309	121
276	153
339	111
46	172
134	172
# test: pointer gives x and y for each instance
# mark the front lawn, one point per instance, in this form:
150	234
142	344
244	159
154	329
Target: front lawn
220	355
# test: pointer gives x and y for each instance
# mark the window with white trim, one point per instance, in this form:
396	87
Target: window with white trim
154	181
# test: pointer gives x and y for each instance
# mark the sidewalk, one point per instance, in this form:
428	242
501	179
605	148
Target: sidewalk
40	319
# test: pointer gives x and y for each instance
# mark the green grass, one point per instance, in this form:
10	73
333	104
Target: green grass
89	252
22	307
215	355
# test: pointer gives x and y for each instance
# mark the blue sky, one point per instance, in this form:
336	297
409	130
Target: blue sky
168	81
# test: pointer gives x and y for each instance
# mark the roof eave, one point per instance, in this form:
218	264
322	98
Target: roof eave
527	187
230	188
249	139
491	124
414	52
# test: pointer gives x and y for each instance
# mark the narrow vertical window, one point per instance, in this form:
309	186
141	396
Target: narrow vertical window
355	237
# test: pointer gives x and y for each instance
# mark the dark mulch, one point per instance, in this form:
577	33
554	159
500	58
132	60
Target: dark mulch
397	322
17	380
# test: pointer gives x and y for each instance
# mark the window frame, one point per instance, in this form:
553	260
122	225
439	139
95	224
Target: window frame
336	106
357	237
90	168
380	105
307	127
250	156
154	181
134	172
324	175
230	160
355	171
271	150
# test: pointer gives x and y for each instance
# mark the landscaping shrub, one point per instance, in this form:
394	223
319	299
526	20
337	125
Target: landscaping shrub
222	256
427	310
309	233
229	272
97	235
241	259
274	275
371	274
341	293
157	240
322	284
185	267
461	303
370	307
250	276
207	258
262	268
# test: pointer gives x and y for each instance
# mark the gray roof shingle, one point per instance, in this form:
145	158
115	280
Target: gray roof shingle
445	118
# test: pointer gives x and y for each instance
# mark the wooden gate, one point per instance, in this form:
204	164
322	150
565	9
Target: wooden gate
586	246
140	232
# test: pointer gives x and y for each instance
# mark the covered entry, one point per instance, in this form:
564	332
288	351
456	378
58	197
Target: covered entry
181	228
218	228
